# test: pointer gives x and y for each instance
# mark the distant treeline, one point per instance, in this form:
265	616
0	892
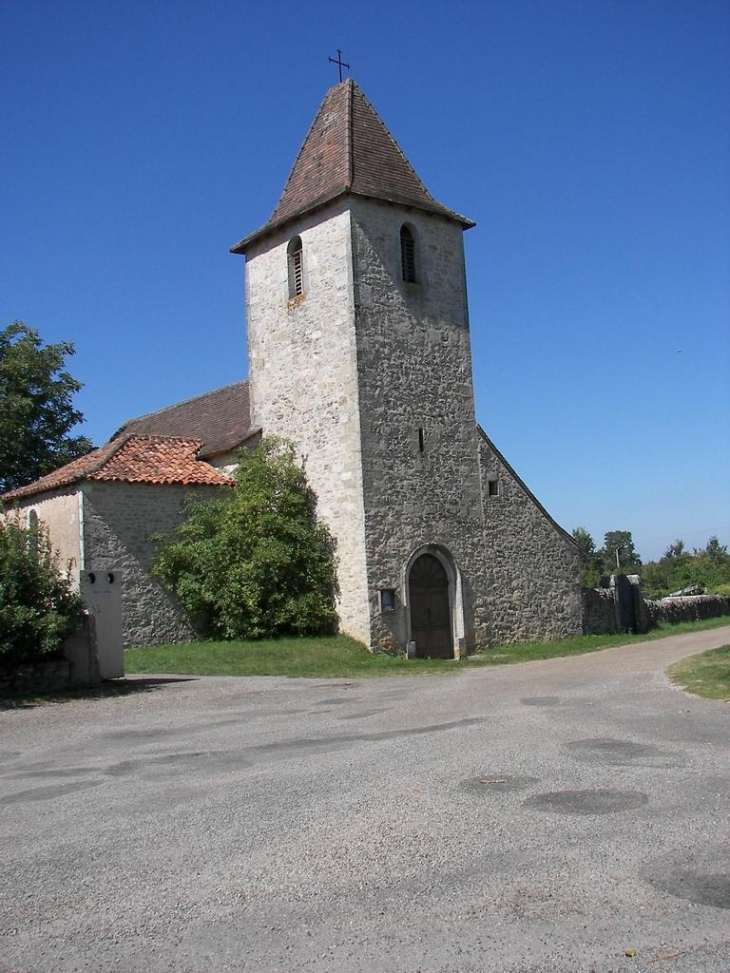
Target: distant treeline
706	569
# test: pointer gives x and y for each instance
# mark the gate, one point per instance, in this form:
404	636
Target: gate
625	604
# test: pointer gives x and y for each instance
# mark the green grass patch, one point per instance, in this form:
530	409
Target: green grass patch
706	674
339	657
335	656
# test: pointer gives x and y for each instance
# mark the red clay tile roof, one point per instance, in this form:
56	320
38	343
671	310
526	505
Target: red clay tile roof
132	459
159	459
348	149
221	419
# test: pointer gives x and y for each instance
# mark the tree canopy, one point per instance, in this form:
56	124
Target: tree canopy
254	561
618	554
619	551
36	407
590	562
707	569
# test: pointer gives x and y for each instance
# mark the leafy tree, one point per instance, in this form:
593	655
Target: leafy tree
618	551
716	551
711	565
36	410
38	608
590	567
256	561
708	568
675	550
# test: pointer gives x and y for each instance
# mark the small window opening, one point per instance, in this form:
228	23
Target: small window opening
31	522
296	267
420	440
493	488
408	255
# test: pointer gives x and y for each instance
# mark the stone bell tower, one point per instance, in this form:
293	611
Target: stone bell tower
358	339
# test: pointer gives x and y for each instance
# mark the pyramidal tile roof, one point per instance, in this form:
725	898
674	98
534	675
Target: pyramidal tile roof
132	459
348	149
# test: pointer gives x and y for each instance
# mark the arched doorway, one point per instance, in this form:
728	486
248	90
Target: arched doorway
428	597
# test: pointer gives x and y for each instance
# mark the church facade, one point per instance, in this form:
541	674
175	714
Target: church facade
359	352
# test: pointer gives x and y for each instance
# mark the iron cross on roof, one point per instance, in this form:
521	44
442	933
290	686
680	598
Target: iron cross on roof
339	62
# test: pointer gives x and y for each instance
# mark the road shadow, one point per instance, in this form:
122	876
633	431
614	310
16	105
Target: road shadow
108	689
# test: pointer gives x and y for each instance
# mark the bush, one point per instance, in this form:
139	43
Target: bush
254	562
38	608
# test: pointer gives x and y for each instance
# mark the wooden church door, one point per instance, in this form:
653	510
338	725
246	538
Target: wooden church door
428	590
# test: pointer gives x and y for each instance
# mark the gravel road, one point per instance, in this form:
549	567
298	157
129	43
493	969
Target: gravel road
554	816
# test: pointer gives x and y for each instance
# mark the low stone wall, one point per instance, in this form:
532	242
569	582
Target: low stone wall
81	651
599	611
79	668
600	616
617	606
690	608
38	677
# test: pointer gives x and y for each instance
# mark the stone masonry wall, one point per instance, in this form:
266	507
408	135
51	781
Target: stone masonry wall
517	570
371	377
304	381
599	611
533	565
689	608
414	369
118	521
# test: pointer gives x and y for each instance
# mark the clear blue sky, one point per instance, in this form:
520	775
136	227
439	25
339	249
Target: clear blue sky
589	139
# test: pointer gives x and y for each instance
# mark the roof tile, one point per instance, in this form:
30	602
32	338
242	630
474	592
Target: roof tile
132	459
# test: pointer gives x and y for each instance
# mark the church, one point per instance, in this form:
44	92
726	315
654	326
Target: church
359	352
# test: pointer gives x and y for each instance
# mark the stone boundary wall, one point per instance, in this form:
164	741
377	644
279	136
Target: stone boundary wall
618	606
53	676
690	608
599	611
600	616
81	652
78	669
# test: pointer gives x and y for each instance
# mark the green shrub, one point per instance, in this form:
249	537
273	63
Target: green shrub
254	562
38	608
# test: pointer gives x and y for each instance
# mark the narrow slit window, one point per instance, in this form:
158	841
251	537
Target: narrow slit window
295	258
31	522
421	441
408	255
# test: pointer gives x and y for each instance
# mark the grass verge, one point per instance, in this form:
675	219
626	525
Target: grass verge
706	674
340	657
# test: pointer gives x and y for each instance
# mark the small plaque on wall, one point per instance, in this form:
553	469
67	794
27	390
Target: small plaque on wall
387	600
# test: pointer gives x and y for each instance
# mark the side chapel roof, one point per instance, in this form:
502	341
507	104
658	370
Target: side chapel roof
220	419
132	459
347	150
166	446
